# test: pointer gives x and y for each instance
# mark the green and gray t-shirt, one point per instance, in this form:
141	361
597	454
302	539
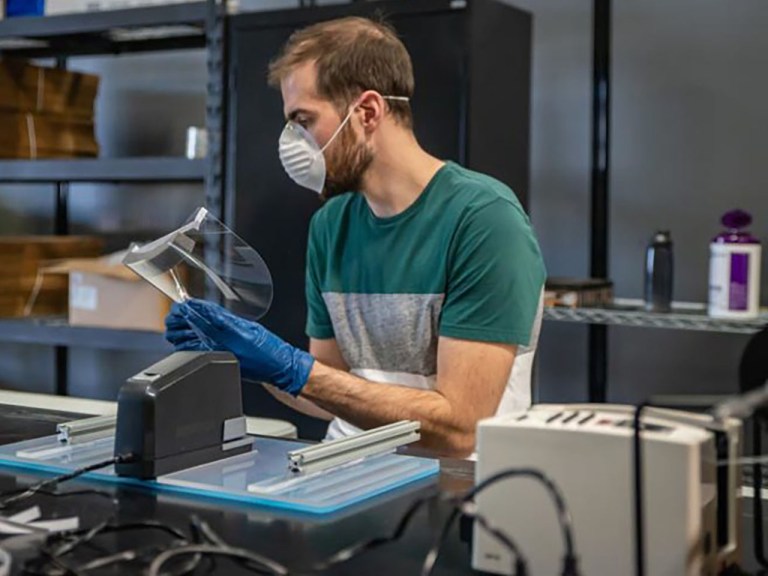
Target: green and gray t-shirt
461	261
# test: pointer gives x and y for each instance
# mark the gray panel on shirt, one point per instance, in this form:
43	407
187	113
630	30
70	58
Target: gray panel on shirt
389	332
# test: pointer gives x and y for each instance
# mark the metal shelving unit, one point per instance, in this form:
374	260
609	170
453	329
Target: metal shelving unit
173	26
680	318
56	332
103	170
200	24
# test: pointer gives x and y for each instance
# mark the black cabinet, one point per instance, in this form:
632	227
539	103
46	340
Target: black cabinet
471	105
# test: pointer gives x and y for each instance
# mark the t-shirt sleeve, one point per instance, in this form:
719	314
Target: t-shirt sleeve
319	324
495	277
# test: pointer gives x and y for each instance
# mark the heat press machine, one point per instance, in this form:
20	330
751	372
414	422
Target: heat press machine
181	412
690	502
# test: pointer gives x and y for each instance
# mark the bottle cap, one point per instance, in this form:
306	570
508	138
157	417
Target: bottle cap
736	219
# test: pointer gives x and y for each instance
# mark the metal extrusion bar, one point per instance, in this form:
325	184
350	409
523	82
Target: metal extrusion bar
336	452
86	429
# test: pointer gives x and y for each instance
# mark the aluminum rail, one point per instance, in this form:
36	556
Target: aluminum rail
336	452
86	429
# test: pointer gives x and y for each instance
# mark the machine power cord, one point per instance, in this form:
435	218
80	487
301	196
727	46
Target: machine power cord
359	548
51	482
570	559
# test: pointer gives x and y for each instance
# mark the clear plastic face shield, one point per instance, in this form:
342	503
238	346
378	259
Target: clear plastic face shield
204	259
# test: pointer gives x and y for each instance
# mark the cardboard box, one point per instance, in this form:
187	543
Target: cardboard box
24	289
32	135
578	292
104	293
28	88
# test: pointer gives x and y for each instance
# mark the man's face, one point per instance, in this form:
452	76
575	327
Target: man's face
347	157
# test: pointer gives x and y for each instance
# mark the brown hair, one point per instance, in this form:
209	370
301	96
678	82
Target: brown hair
352	55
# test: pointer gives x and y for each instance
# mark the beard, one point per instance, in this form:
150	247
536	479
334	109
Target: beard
346	165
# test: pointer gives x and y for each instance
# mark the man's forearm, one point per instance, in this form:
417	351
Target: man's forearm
299	404
369	404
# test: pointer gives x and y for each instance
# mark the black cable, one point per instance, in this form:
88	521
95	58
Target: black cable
35	488
62	569
270	566
637	455
354	550
430	560
70	494
85	536
520	567
757	488
205	532
60	544
563	516
570	559
124	556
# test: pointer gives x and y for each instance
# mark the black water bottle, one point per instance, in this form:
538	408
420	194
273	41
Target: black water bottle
658	273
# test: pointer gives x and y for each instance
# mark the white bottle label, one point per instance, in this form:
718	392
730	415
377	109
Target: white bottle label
734	280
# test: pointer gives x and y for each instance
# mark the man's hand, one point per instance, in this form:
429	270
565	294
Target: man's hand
264	357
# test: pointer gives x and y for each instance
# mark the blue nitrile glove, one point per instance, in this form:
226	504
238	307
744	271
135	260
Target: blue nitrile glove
263	356
183	335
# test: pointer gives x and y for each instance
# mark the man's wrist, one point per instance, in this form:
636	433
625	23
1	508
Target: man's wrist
301	367
317	374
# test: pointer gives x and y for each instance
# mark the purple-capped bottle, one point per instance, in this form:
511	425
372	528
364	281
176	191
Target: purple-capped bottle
734	269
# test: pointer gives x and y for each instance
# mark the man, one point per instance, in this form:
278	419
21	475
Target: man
424	279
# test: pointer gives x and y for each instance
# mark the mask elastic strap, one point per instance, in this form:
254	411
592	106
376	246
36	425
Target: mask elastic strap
349	115
336	133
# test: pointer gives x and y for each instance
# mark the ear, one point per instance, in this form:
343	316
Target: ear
371	107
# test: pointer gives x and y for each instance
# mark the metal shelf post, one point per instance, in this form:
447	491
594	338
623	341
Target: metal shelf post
601	147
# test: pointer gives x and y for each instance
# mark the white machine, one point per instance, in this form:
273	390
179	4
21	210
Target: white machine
690	504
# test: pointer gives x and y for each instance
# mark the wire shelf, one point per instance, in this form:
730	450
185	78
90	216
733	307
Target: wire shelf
684	316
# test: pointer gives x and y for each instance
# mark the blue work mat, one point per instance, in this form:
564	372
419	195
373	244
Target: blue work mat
260	477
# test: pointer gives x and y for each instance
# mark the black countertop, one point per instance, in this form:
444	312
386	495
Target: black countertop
294	540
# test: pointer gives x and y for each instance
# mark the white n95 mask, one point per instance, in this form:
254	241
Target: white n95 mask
302	158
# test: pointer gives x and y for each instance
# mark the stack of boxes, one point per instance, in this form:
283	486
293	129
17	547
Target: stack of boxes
24	289
49	113
65	276
46	112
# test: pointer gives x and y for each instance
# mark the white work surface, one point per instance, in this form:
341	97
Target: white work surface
258	426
